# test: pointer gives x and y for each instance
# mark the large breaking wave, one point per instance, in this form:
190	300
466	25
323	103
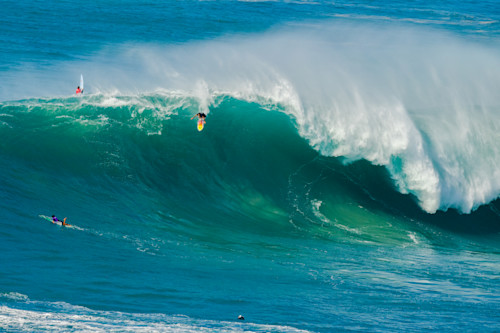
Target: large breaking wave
422	104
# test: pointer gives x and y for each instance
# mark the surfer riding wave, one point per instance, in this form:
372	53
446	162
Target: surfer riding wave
201	120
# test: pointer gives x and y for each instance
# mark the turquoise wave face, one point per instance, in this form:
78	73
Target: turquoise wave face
247	170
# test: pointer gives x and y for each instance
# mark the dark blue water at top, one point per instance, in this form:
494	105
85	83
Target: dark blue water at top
43	32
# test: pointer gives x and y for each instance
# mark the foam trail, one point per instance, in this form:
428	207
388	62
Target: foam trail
64	317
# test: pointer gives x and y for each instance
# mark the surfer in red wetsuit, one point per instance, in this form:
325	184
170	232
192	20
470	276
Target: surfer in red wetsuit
78	90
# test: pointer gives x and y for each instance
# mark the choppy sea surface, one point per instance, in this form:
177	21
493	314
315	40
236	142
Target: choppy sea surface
347	178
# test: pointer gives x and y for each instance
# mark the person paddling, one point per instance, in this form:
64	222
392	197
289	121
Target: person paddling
56	220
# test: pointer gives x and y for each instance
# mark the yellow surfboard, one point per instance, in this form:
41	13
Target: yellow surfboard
201	124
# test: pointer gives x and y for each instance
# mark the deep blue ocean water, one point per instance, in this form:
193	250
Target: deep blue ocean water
347	178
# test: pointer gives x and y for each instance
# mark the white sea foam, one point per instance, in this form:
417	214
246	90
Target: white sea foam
34	316
413	237
316	204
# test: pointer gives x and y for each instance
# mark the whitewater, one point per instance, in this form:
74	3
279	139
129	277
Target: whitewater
423	105
347	178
